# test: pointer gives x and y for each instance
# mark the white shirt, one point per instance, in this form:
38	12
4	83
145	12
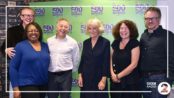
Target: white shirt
64	54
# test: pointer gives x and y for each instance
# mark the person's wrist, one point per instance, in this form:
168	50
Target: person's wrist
117	76
112	74
103	81
80	74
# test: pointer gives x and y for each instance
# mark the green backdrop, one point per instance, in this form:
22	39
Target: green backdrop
79	11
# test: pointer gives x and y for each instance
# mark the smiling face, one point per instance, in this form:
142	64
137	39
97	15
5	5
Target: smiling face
93	30
33	34
27	16
152	20
62	28
124	31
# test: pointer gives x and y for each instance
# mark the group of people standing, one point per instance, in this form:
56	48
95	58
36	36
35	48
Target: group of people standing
129	63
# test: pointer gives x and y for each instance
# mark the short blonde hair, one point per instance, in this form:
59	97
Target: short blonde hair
24	8
95	21
62	19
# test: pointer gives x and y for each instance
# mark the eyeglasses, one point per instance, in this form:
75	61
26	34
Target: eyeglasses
151	19
27	15
33	31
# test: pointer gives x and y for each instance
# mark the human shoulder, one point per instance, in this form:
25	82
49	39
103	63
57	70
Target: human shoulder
133	43
14	28
70	39
43	43
87	41
105	40
21	44
144	33
116	42
50	39
170	33
163	32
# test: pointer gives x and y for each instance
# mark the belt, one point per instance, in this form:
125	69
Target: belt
154	73
61	72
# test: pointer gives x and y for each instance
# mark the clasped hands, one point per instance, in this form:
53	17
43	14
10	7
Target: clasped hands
115	78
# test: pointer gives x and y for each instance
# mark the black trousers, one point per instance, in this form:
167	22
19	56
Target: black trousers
33	94
128	87
61	81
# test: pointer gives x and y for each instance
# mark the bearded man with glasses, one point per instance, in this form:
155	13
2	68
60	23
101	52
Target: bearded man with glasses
157	51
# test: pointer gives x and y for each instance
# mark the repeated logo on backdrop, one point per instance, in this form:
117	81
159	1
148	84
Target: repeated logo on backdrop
141	8
57	11
83	28
76	11
48	28
40	11
117	9
96	10
108	28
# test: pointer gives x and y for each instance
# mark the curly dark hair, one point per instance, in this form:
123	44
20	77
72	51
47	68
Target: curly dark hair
131	26
37	27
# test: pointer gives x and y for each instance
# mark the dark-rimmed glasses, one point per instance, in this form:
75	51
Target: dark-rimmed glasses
150	19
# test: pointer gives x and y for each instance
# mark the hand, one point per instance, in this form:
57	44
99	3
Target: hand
101	85
16	93
80	81
10	52
114	78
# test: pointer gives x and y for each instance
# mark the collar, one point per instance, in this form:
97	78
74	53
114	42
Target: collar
61	39
155	31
